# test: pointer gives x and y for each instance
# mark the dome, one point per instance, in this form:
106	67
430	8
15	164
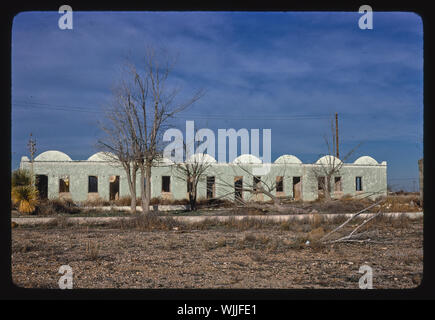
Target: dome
53	155
201	157
102	156
287	158
164	161
329	160
365	160
247	158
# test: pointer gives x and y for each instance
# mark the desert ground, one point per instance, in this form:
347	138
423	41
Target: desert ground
152	253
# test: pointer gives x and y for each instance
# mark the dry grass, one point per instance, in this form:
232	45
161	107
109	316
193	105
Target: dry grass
92	251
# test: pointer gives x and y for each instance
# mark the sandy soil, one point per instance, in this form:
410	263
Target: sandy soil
269	257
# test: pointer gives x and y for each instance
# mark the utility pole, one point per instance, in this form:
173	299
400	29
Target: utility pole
336	134
32	150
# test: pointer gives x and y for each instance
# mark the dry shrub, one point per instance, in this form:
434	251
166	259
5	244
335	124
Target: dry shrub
59	222
250	237
97	202
401	203
298	243
316	234
210	245
316	220
92	250
123	201
260	258
316	245
56	206
148	223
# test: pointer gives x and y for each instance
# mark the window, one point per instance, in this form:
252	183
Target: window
64	184
279	184
358	183
92	184
166	184
337	184
320	183
238	187
256	183
210	187
297	188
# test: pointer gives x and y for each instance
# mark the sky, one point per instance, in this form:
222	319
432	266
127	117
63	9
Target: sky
285	71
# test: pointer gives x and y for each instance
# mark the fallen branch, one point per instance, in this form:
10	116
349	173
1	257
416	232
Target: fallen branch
351	218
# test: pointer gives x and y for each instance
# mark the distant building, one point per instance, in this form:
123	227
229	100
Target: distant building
58	176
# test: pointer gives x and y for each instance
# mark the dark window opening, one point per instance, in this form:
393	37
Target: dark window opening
210	187
257	183
92	184
337	184
297	188
321	183
238	187
279	184
358	183
114	187
41	183
64	184
166	184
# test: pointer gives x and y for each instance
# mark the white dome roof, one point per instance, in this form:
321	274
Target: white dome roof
53	155
329	160
287	158
365	160
247	158
102	156
201	158
164	161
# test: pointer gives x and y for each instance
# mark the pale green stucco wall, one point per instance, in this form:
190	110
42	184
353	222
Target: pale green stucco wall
374	178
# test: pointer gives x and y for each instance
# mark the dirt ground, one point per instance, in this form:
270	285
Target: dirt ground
272	256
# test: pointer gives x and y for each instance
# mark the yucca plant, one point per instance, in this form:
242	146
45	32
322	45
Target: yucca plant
26	197
21	177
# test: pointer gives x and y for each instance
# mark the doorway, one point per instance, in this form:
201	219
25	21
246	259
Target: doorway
114	187
297	188
42	186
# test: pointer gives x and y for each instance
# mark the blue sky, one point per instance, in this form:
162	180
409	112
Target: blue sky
261	69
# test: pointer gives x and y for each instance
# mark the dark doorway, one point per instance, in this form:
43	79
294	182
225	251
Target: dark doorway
92	184
238	188
297	188
166	184
210	187
41	183
114	187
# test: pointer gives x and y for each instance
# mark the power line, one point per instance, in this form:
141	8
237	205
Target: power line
36	105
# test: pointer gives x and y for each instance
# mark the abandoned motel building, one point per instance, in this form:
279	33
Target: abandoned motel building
58	176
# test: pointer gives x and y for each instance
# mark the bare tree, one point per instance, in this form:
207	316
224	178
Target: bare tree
329	166
258	186
120	141
192	171
147	102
